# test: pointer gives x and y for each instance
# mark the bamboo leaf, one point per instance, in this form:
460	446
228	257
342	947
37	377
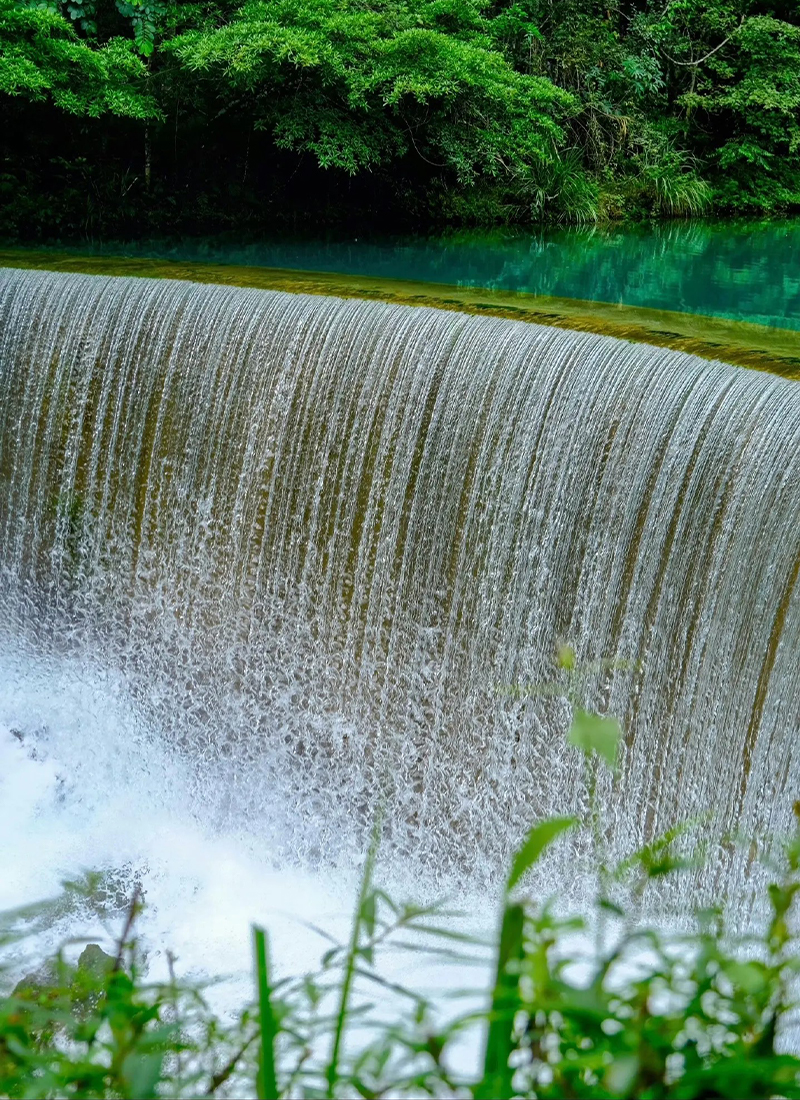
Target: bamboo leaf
538	839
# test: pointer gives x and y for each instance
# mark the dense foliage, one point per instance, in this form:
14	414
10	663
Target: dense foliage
601	1008
125	116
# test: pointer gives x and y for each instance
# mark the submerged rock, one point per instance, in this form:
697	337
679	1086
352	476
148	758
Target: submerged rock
56	976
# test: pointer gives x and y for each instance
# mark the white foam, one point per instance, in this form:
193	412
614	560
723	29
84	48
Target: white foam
86	786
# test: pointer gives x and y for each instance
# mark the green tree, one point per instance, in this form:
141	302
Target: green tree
361	87
43	57
244	111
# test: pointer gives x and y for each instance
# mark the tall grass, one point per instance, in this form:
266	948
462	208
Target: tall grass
599	1005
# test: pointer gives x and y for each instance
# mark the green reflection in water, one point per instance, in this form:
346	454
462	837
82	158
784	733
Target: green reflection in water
740	270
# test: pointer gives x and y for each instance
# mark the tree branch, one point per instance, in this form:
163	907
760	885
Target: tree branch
700	60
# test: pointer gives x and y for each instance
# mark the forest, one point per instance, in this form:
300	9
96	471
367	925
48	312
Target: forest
128	117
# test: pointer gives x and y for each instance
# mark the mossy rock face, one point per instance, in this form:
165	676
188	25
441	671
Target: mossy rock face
94	960
89	983
53	973
79	988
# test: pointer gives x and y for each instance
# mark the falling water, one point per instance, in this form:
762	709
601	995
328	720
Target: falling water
331	547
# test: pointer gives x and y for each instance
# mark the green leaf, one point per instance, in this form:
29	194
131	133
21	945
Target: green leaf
141	1073
267	1082
591	733
566	657
747	976
497	1079
538	839
621	1075
368	918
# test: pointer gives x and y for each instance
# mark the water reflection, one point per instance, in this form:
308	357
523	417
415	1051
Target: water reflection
741	270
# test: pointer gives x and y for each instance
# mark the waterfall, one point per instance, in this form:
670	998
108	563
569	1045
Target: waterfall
331	547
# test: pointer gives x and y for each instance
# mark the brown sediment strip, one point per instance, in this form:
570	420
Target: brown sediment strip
741	343
648	622
767	666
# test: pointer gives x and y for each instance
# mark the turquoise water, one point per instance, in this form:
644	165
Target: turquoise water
745	271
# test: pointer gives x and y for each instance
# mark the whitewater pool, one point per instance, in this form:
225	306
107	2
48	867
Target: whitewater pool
88	785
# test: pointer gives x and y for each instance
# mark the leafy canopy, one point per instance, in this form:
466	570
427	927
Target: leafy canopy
44	57
358	86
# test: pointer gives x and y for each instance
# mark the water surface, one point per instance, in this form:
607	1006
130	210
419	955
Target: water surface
739	270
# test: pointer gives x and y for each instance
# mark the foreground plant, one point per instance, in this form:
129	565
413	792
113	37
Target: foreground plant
598	1006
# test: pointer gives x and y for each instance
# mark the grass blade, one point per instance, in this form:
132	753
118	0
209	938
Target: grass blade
497	1074
266	1084
364	913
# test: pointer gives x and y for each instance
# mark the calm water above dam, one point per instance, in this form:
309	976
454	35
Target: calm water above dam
740	270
